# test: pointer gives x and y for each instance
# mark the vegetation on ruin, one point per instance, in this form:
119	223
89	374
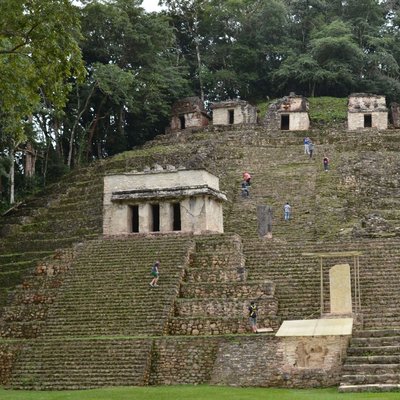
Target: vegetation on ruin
194	393
137	64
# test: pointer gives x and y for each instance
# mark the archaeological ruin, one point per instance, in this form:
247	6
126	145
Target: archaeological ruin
233	112
188	113
163	201
288	114
366	111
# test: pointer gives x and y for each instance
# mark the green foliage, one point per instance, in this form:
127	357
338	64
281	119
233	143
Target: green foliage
328	110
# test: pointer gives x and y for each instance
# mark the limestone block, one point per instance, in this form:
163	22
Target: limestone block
340	289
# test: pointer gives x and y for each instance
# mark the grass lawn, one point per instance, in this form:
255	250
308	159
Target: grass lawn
193	393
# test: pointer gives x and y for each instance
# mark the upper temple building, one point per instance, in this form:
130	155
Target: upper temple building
188	113
289	113
366	110
234	112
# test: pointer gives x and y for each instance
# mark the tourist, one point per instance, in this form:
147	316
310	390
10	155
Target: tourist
326	163
245	189
287	211
253	316
306	142
155	273
310	149
247	178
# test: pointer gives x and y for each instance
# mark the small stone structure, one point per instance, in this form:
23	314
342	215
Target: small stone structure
288	114
234	112
162	201
395	115
366	111
188	113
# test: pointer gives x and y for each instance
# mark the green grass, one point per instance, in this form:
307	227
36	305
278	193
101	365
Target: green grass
328	110
194	393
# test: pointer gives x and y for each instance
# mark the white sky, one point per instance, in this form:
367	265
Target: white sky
151	5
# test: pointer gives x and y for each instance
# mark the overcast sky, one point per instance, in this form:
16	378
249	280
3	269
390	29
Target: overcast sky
150	5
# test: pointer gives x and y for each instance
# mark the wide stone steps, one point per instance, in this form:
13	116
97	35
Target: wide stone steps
221	306
237	290
215	326
373	361
75	364
381	359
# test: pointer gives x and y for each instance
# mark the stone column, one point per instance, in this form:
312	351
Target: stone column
262	220
166	217
145	218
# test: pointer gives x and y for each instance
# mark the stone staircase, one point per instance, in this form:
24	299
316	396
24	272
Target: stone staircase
373	362
215	293
69	364
103	295
94	328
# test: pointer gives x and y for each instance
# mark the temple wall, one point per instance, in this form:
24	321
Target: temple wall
356	120
199	212
299	121
259	360
243	114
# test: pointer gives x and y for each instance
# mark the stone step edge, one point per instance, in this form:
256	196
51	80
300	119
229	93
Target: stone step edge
376	387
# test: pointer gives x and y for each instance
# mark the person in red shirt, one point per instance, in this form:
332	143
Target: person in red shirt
247	178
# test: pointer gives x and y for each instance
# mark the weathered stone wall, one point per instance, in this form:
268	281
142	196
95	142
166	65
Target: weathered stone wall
355	120
8	354
395	114
183	360
259	360
243	113
192	120
238	290
296	107
299	121
197	191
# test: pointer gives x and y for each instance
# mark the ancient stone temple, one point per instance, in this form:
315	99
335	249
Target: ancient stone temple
395	115
161	200
288	114
234	112
366	111
188	113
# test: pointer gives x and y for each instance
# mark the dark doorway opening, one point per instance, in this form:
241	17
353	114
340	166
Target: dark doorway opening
231	114
155	208
176	225
367	121
134	213
285	122
182	121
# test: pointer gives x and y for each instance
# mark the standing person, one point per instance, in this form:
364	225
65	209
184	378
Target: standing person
306	143
245	189
247	178
155	273
253	316
326	163
287	210
310	148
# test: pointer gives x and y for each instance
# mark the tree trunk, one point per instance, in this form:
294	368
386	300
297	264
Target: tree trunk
30	160
76	122
12	176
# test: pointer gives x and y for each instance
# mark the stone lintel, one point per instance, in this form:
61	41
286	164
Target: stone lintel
168	193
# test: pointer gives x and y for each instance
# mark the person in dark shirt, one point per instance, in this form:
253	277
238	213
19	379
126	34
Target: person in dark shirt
155	273
253	316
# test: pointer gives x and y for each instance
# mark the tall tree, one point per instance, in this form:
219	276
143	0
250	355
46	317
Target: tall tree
39	52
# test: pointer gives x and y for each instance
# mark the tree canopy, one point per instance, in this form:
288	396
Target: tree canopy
87	80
